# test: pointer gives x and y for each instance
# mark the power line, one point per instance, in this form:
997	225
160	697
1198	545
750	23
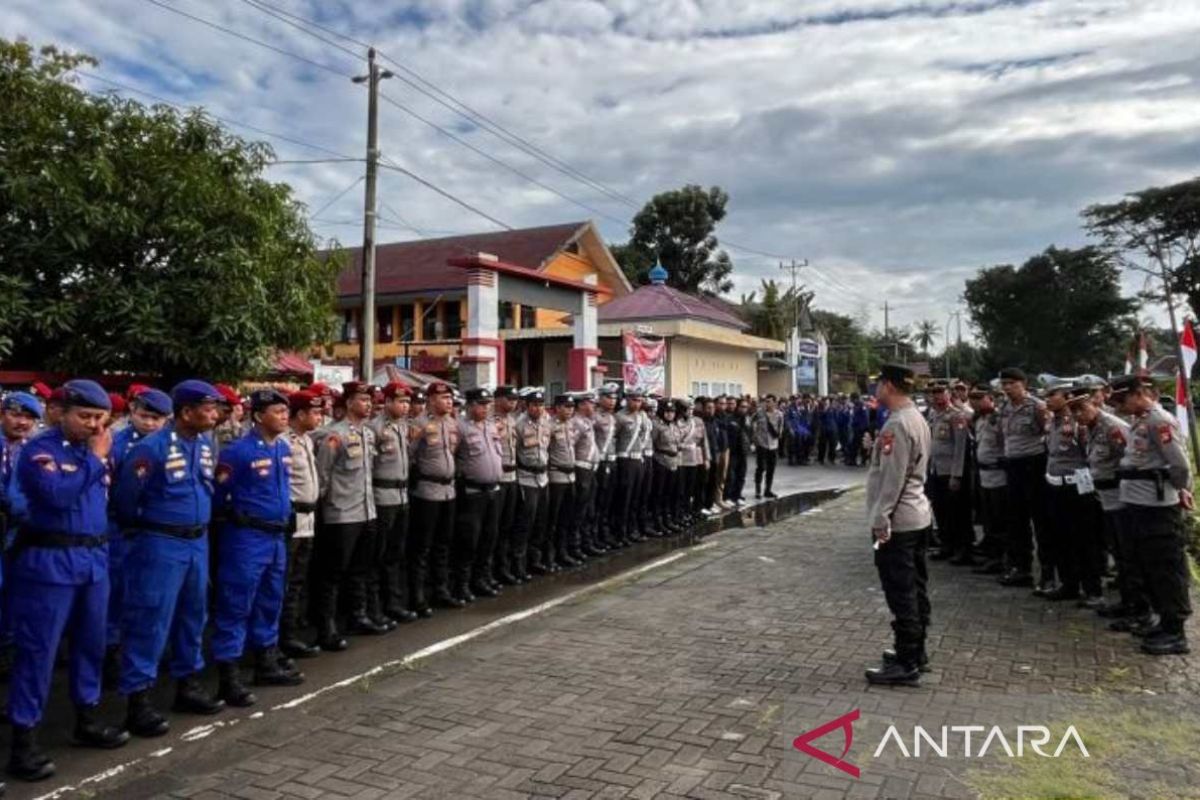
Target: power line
389	164
315	161
336	197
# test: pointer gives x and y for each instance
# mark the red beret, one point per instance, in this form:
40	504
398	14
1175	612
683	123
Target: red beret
59	395
436	388
229	394
118	403
397	388
41	390
135	389
319	389
305	399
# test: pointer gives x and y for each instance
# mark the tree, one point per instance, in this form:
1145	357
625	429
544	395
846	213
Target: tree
143	239
676	229
773	316
1060	312
926	334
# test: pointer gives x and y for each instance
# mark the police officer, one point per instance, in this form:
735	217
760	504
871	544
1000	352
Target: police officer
307	415
993	483
666	436
693	459
767	428
643	505
740	432
59	576
254	507
1066	454
947	485
1023	420
431	536
163	502
345	540
585	537
533	458
504	417
606	448
480	461
149	411
1155	487
561	472
628	437
900	519
388	587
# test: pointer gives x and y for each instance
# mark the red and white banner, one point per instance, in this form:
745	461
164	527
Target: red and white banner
1187	346
645	364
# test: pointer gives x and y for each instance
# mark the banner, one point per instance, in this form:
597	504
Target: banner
1187	344
645	365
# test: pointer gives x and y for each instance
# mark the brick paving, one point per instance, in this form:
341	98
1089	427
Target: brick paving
690	681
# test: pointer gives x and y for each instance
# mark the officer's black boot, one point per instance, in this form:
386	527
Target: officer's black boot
1168	641
269	671
361	624
328	637
889	657
191	698
231	689
142	719
26	761
481	587
296	648
111	672
90	732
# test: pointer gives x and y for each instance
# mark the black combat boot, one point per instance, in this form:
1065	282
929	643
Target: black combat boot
442	597
1166	642
894	673
400	614
481	588
26	761
230	689
90	732
143	719
191	698
328	637
270	670
296	648
889	657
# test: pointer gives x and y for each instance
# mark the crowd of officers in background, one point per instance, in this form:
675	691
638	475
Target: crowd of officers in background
136	525
1091	477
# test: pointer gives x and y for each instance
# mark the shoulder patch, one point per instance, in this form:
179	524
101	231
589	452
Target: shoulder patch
1166	433
332	440
141	468
1116	435
224	473
45	461
960	422
887	441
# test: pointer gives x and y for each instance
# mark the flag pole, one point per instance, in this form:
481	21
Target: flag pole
1187	384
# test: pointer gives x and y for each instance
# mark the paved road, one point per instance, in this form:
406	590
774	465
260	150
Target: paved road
691	679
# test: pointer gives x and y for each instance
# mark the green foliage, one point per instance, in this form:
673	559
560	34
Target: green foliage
676	229
925	334
1060	312
143	239
774	315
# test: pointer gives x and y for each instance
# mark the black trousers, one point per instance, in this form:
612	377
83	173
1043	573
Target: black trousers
432	523
476	526
531	526
1129	574
683	493
583	528
904	576
765	467
995	514
1083	559
606	481
295	595
826	446
951	512
735	483
700	489
1026	493
392	570
629	476
342	556
665	490
558	520
506	527
645	505
1159	536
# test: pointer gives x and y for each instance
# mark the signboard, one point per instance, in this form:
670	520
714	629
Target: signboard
645	365
806	372
808	349
331	374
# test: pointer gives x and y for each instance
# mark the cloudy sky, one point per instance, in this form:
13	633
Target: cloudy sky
896	144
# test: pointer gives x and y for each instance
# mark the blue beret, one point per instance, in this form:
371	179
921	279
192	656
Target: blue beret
155	401
81	392
24	403
194	392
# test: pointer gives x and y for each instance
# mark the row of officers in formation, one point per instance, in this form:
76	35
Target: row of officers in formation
130	540
1088	478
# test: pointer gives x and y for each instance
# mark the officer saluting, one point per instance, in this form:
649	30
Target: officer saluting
1156	488
900	520
59	575
253	501
163	502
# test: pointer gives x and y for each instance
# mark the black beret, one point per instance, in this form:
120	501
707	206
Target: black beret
261	399
1013	374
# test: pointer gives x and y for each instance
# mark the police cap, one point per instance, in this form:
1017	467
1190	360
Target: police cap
262	399
1013	374
85	393
1079	391
898	375
436	388
1058	387
351	388
535	396
1127	383
482	395
610	390
564	400
23	403
193	392
980	390
505	391
634	393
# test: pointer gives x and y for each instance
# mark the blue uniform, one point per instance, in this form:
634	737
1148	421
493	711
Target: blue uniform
58	573
123	442
253	500
163	501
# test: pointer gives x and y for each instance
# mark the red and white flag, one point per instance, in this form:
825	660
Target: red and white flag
1143	354
1187	346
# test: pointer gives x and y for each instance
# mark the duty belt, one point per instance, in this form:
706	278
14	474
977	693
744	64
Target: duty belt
585	465
990	467
532	470
440	481
481	487
564	470
389	483
34	537
1158	475
254	523
1106	483
176	531
509	467
1060	480
303	508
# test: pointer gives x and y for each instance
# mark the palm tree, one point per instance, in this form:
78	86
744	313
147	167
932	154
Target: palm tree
926	334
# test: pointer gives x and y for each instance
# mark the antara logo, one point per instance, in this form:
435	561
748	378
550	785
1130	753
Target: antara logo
976	741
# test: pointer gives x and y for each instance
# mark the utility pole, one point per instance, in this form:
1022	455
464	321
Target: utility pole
886	327
794	267
367	315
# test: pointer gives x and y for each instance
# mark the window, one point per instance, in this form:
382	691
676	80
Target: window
507	315
429	331
453	327
349	329
528	317
735	390
383	323
718	389
700	389
407	324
